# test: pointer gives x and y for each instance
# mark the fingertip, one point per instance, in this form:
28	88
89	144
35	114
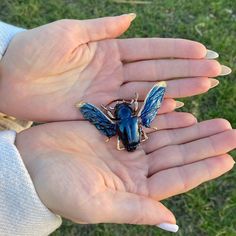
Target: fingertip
223	124
165	215
225	162
189	119
195	50
229	162
232	138
125	21
173	104
168	105
203	84
132	16
200	50
213	68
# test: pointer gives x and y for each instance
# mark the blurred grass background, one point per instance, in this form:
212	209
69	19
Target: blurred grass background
210	209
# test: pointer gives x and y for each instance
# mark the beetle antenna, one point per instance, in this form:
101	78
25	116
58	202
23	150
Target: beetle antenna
136	97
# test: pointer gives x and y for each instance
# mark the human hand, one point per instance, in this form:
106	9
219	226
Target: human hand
46	70
80	177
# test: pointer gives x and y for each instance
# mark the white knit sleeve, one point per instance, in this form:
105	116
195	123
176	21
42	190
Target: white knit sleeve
7	32
21	211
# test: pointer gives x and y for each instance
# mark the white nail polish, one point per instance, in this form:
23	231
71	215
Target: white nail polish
179	104
225	70
211	54
132	16
214	82
168	227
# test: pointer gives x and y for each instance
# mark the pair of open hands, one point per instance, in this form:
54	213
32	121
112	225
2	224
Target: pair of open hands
46	70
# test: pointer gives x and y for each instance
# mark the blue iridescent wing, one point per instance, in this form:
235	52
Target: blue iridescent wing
95	116
152	103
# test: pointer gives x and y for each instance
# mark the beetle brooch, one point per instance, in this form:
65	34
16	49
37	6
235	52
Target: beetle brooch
126	121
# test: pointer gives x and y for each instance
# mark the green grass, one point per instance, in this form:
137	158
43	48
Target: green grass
210	209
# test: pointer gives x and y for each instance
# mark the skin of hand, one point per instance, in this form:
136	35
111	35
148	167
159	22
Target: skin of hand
80	177
46	70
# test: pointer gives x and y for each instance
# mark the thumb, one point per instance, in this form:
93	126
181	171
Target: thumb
103	28
129	208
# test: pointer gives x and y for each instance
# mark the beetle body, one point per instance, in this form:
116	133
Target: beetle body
128	129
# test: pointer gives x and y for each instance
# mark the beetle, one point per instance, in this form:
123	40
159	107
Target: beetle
125	120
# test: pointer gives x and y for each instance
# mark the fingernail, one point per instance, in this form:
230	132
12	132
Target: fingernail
225	70
132	16
211	54
178	104
214	83
169	227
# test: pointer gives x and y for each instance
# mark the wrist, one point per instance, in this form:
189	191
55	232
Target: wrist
18	190
21	147
26	146
7	32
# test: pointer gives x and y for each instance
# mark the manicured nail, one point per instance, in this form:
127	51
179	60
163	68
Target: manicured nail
214	83
225	70
169	227
132	16
211	54
178	104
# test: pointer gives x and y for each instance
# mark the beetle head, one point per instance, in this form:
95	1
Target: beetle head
123	110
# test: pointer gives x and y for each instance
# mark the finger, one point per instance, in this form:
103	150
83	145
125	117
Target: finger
175	88
123	207
100	28
153	48
172	120
183	135
181	179
154	70
177	155
168	105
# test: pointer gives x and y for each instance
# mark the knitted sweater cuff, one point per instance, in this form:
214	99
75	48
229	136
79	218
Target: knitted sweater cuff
21	211
7	32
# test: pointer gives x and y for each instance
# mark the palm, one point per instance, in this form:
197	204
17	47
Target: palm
50	68
82	178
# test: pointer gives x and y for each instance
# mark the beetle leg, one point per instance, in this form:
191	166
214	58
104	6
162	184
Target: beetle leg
107	140
144	136
153	128
108	112
135	106
136	97
136	102
104	108
111	115
118	145
131	102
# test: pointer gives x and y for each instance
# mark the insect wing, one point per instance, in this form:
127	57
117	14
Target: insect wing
95	116
152	103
